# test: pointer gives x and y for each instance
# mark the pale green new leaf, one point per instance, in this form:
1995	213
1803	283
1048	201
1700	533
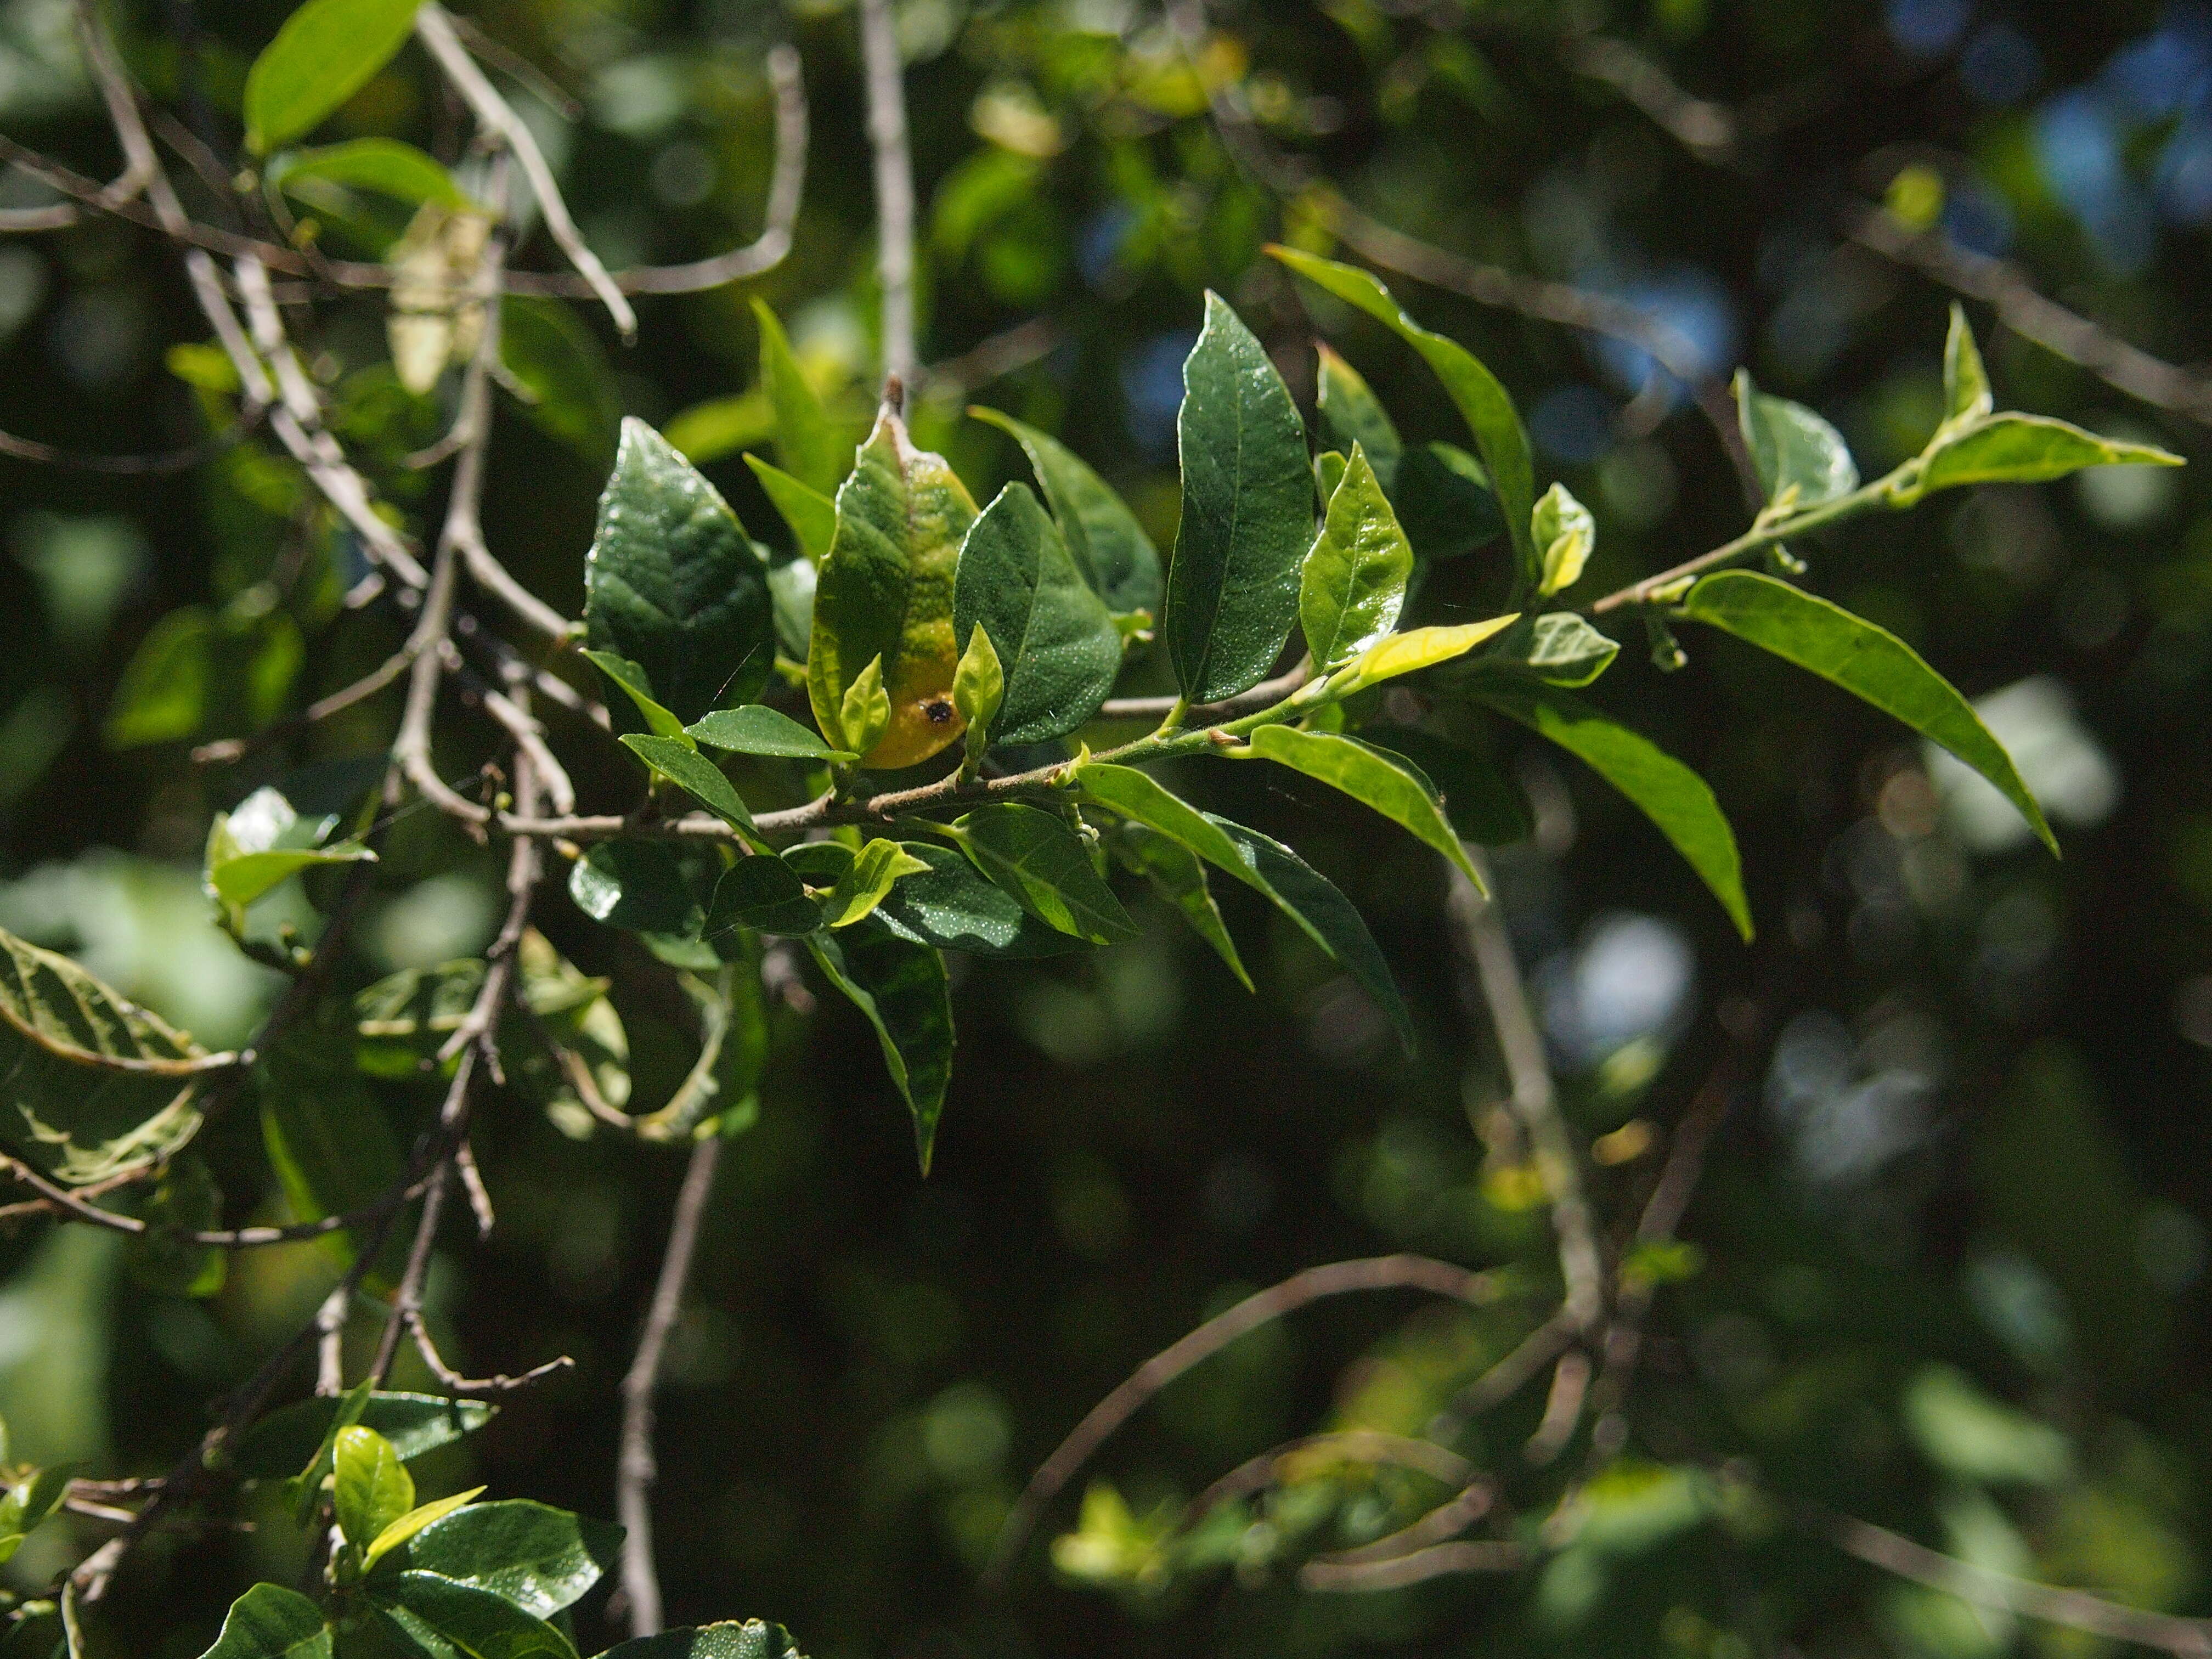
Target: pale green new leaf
327	51
404	1527
385	166
1966	395
1565	533
1869	662
754	728
248	855
1054	639
373	1487
812	515
2024	449
1103	537
865	713
1371	778
1353	583
1415	649
1558	648
1042	862
979	686
1142	797
1793	448
272	1622
902	988
864	885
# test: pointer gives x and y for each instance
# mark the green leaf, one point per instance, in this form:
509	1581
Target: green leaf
863	886
1415	649
1443	499
552	353
1056	641
480	1625
327	51
1142	798
1966	395
979	687
1353	583
374	1488
753	1639
1558	648
252	849
272	1622
885	590
901	987
627	675
1353	417
1869	662
673	583
791	586
305	1489
754	728
1484	804
812	515
1044	865
1232	587
1372	779
865	713
406	1526
282	1442
2023	449
812	447
763	893
636	885
953	907
91	1084
185	1199
721	426
1793	448
31	1501
327	1137
1108	546
1329	472
1482	403
385	166
198	672
1565	533
1323	915
1178	876
682	765
538	1559
1669	793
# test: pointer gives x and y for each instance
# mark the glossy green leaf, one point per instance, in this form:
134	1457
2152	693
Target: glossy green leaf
979	687
1232	587
373	1487
791	586
1669	793
1444	498
1565	533
763	893
1370	777
91	1084
1324	915
406	1526
1792	448
630	679
1484	804
753	1639
1329	472
327	51
682	765
282	1442
1142	798
272	1622
551	353
812	515
386	166
637	884
31	1502
863	886
1353	583
865	713
885	591
756	729
185	1199
1415	649
1558	647
812	448
673	584
902	988
1482	403
1353	417
540	1558
2025	449
1178	876
251	849
952	906
328	1138
1869	662
1054	641
305	1489
1036	858
1966	395
476	1622
1103	537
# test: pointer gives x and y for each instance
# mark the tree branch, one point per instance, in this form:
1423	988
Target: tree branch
894	175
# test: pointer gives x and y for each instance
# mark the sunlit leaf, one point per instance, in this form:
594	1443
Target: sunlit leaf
373	1487
1565	533
1178	876
863	886
812	515
1558	647
953	907
272	1622
1792	448
250	850
537	1558
2025	449
327	51
1353	582
753	1639
1108	545
1053	639
1036	857
754	728
631	680
811	446
1966	395
1415	649
480	1624
682	765
1370	777
386	166
406	1526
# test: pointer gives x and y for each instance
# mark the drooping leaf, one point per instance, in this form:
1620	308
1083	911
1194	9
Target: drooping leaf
673	584
1793	448
2025	449
1037	858
1669	793
1233	586
812	515
1558	648
863	886
1353	583
902	988
373	1487
756	729
91	1084
682	765
1353	417
1103	537
1370	777
1139	796
1056	641
1484	804
628	677
385	166
1324	915
251	849
272	1622
1869	662
1415	649
637	884
763	893
884	591
1178	876
552	353
327	51
281	1443
811	446
753	1639
1966	395
1565	533
406	1526
536	1558
479	1624
1444	498
1482	403
955	908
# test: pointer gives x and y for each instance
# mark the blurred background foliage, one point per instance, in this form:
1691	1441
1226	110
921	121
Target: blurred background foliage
1946	1270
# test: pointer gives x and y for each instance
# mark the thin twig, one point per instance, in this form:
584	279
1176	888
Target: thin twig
637	1471
233	749
1279	1464
63	1200
894	177
1262	695
1399	1571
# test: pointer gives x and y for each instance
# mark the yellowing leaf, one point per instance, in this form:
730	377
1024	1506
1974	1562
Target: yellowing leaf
1417	648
